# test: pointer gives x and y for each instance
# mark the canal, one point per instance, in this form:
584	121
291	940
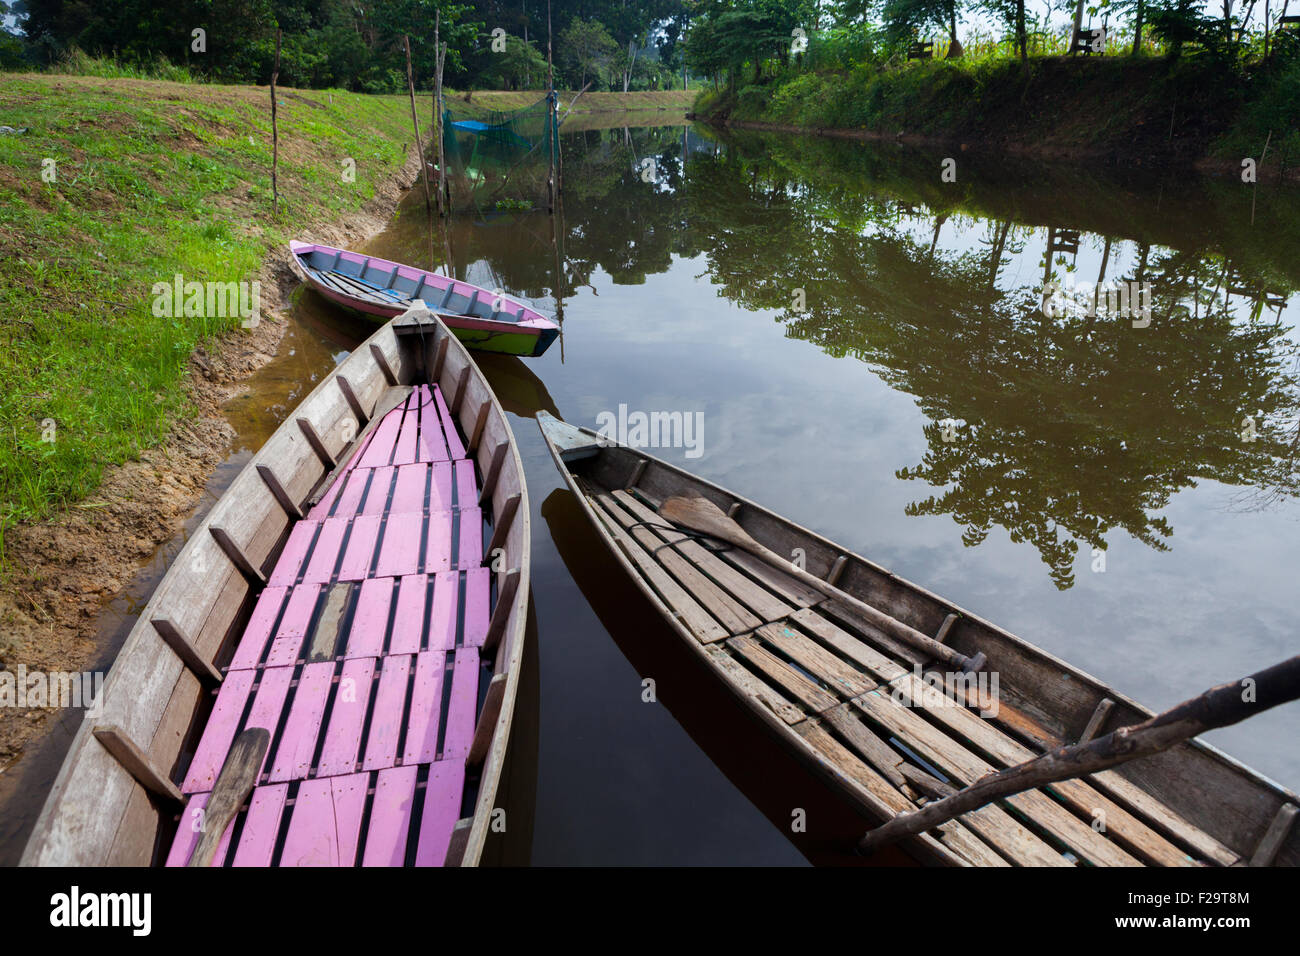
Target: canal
865	344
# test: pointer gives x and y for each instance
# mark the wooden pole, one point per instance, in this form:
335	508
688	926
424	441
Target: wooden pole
415	121
552	185
275	132
440	57
1217	707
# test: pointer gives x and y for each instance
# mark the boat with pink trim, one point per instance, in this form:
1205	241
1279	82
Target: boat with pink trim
484	320
327	673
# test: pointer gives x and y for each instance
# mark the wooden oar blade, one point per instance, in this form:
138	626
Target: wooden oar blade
700	514
235	782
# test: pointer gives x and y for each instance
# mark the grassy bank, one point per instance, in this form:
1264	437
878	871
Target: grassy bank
1123	109
150	179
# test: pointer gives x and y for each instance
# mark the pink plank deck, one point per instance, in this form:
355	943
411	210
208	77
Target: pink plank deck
466	484
387	719
189	829
370	621
426	702
360	551
325	554
293	626
293	754
374	713
442	617
380	449
408	621
223	724
431	446
404	452
476	606
441	811
381	484
455	447
464	704
351	701
390	817
326	822
470	551
294	553
258	632
261	826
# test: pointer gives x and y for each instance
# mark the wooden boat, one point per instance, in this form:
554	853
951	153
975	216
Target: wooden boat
336	604
481	318
883	726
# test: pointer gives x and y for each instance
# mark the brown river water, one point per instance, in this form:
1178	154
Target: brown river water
865	347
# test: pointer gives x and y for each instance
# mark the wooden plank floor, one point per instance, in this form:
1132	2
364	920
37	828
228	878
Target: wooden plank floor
866	711
362	660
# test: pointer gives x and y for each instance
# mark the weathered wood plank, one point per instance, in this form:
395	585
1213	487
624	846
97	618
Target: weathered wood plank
691	615
734	616
783	675
762	602
136	762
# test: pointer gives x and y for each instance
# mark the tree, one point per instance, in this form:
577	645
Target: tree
904	19
586	49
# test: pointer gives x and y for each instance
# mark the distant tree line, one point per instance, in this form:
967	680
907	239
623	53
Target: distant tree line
357	44
743	40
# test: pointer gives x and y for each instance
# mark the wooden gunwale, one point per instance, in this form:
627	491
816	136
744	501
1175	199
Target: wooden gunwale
1139	799
96	812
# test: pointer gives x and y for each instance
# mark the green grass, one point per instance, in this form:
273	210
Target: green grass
152	179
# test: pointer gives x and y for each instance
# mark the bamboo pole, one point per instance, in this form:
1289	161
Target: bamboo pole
1217	707
440	57
550	103
275	132
415	121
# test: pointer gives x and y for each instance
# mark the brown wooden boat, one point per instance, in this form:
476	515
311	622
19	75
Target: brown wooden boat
881	722
268	676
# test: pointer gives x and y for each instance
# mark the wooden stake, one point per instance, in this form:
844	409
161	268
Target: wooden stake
440	56
415	121
1217	707
550	102
275	132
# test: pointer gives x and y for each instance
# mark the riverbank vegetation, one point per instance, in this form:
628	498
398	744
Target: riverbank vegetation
615	45
117	185
1168	79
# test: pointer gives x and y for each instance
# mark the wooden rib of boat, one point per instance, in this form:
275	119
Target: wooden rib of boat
885	728
482	319
356	601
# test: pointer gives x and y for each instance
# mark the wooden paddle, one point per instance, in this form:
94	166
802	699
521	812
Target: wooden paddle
234	784
700	514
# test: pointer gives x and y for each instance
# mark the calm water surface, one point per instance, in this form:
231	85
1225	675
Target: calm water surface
835	311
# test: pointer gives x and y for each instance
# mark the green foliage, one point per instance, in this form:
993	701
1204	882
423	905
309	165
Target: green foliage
588	52
519	66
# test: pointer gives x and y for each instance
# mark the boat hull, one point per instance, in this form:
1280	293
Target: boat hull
839	692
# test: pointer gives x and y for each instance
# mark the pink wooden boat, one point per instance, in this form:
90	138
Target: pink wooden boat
355	606
482	319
